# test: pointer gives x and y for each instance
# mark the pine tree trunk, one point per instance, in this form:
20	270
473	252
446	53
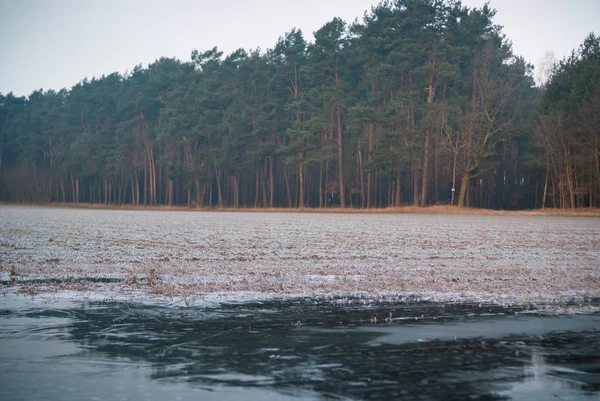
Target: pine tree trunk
301	184
463	196
236	193
425	181
570	177
415	184
321	185
73	198
454	168
436	171
257	188
264	186
546	182
288	190
361	171
105	186
425	175
370	175
198	193
77	190
340	158
146	183
326	198
271	183
219	192
133	192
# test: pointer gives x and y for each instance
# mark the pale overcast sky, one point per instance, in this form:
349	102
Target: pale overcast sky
53	44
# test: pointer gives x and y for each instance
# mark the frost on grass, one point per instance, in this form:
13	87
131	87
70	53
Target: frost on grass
197	254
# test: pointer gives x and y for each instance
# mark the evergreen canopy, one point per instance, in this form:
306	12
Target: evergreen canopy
419	101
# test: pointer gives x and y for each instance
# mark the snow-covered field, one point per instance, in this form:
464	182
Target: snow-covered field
201	254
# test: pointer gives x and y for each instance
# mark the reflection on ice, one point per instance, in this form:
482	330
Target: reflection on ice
545	382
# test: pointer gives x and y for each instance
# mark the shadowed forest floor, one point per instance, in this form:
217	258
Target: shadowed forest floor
438	209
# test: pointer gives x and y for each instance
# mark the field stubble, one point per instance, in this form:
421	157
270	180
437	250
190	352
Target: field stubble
503	258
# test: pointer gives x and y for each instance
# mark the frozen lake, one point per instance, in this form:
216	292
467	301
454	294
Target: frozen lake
294	350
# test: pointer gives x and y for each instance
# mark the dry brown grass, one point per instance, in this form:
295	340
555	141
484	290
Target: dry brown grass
438	209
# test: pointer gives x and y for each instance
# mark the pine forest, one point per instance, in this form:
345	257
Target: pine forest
418	102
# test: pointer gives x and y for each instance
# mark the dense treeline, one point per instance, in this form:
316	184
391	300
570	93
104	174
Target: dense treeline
567	131
422	102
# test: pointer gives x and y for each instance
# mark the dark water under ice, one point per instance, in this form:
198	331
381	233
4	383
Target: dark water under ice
301	349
